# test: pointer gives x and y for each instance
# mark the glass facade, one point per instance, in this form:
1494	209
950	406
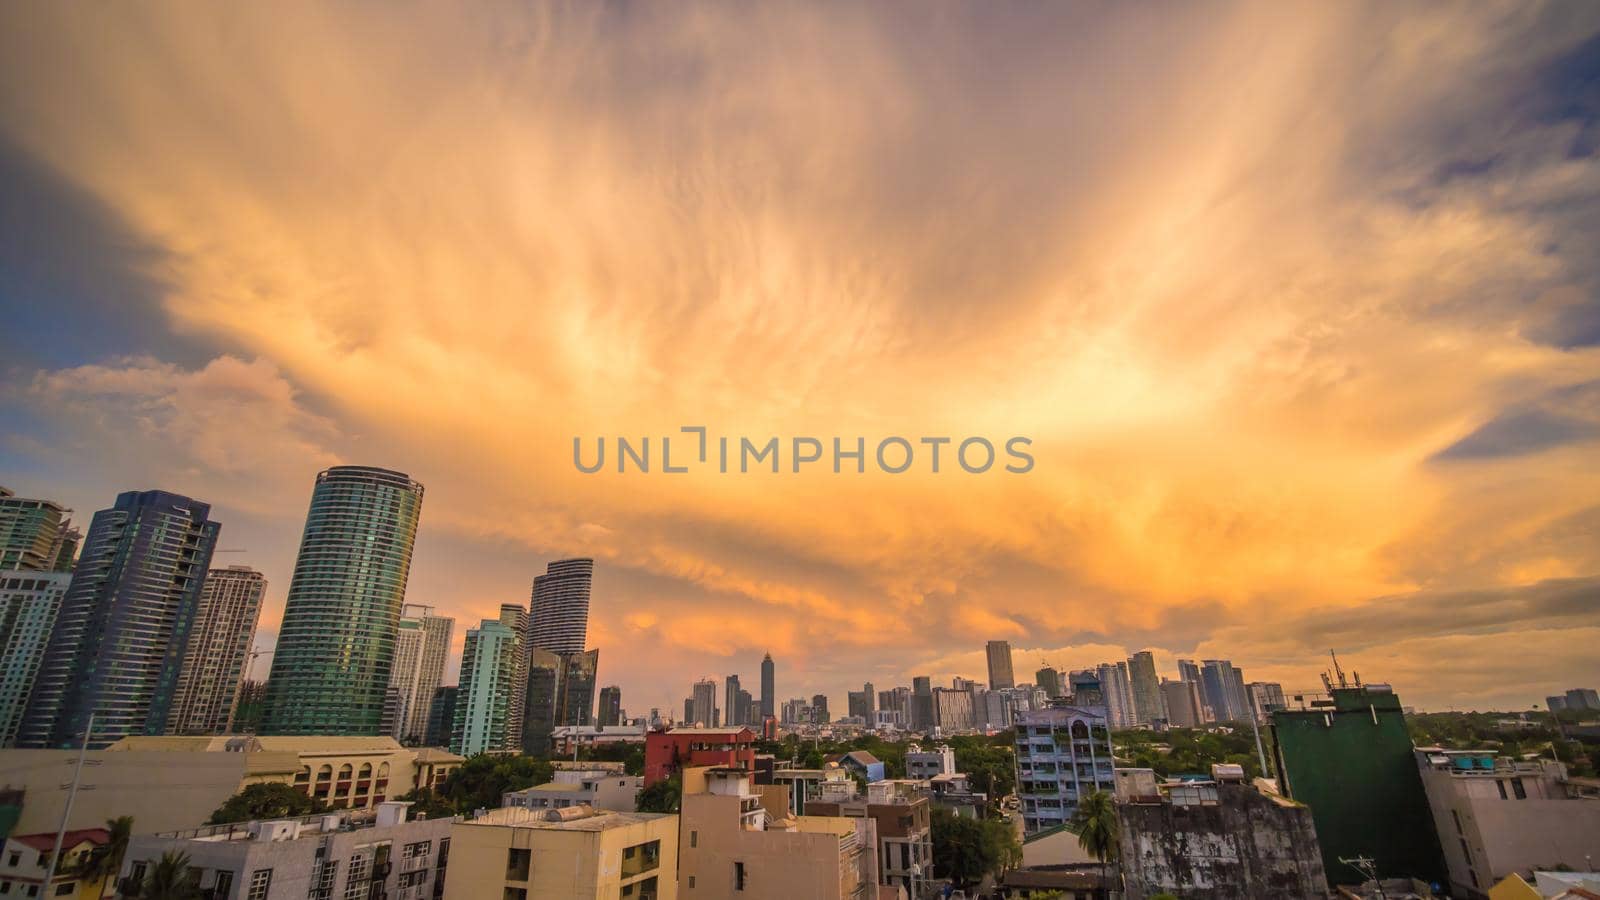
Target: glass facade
336	648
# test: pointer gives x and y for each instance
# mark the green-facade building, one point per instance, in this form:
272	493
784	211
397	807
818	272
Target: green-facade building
1350	759
336	647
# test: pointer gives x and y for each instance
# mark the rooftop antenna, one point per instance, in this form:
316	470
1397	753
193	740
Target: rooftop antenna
1337	670
1327	683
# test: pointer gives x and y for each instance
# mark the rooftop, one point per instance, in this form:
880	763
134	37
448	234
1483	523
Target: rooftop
573	818
45	843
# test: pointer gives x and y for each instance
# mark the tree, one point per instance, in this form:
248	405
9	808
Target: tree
965	850
171	878
425	803
106	861
272	800
664	796
1095	821
480	782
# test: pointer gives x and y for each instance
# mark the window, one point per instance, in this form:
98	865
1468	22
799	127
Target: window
5	887
1502	786
420	848
517	862
512	893
641	858
694	838
738	876
65	888
260	881
15	859
691	881
139	869
1518	789
224	883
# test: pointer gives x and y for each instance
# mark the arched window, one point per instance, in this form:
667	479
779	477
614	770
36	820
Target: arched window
366	771
302	776
1080	730
325	773
383	770
344	772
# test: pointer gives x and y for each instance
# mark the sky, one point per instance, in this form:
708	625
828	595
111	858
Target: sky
1299	307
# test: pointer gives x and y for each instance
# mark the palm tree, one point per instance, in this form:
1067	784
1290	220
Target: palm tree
171	879
106	861
1096	823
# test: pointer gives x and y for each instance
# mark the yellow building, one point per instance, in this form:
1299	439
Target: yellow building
193	775
576	852
26	857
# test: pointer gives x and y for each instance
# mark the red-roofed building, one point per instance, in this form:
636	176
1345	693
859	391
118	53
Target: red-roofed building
24	858
667	753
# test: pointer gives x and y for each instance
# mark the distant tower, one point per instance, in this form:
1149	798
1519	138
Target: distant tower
29	602
218	650
330	675
119	638
704	709
559	619
610	712
35	534
769	694
488	667
1000	672
730	701
1147	703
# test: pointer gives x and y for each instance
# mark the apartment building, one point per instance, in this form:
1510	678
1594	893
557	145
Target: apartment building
560	854
902	813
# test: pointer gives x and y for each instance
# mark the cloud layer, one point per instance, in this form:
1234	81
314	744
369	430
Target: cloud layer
1297	306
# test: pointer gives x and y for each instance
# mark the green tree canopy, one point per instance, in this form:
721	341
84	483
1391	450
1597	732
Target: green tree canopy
480	781
273	800
171	878
1095	821
664	796
965	850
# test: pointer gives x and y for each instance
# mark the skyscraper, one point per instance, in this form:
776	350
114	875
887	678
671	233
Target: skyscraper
704	711
29	602
610	712
35	534
561	674
922	710
1118	691
403	676
1190	672
559	615
1000	673
1182	700
514	617
124	623
489	665
218	651
1223	687
769	694
1049	681
1146	688
436	634
336	645
730	701
819	708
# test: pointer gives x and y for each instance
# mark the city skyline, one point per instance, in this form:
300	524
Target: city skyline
1307	349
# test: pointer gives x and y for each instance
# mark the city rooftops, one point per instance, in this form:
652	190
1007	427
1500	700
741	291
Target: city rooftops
572	818
384	815
710	731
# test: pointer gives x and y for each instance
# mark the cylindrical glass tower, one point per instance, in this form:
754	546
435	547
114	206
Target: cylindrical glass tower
336	647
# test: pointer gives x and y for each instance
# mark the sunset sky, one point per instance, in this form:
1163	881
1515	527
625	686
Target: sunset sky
1298	303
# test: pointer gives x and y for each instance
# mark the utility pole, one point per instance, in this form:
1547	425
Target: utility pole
72	794
1256	727
1369	868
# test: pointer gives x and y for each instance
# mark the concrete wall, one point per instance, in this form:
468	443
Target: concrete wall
778	865
564	862
162	791
1244	847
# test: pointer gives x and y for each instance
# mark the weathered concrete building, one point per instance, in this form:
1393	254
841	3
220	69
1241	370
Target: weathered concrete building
1215	840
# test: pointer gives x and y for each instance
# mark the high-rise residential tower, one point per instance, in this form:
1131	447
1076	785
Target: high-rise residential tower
489	663
769	693
610	711
704	708
218	651
1000	672
515	617
730	701
35	534
1049	680
1147	706
436	634
559	615
1117	688
29	602
561	674
403	675
335	652
1222	687
124	623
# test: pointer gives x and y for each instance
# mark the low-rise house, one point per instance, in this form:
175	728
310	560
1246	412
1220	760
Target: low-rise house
666	753
557	854
598	785
861	763
1214	840
350	854
25	858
